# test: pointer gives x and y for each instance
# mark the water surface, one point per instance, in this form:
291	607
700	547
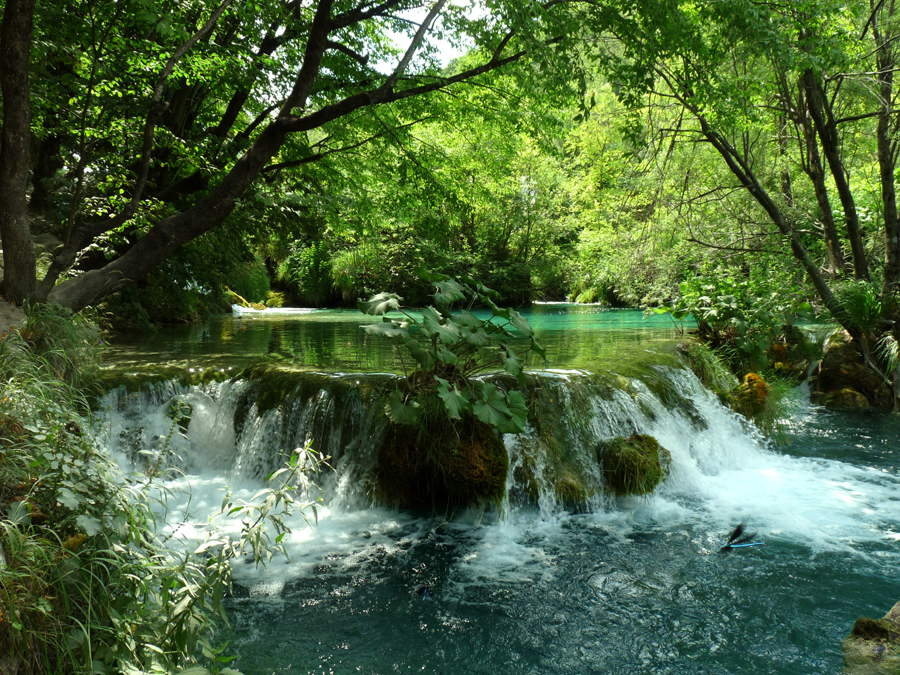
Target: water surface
625	586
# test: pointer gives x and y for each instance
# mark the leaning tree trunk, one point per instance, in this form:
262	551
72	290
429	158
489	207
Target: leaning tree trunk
816	173
823	120
15	57
886	156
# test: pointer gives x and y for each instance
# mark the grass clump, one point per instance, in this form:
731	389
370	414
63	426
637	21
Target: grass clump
86	584
707	366
633	466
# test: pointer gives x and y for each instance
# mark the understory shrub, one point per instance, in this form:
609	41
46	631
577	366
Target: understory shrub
307	273
86	583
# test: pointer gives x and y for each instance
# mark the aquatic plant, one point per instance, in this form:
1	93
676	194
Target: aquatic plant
449	349
633	466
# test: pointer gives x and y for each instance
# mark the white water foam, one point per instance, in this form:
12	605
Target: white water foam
721	474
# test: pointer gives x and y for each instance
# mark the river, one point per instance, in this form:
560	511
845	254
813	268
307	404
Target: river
631	585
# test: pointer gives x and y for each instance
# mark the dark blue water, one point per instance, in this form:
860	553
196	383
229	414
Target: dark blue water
637	586
631	586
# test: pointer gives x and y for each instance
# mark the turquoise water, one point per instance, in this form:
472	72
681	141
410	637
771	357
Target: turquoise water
575	336
636	587
625	586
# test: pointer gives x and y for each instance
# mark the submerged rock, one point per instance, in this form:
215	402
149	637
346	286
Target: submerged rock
873	646
844	398
633	466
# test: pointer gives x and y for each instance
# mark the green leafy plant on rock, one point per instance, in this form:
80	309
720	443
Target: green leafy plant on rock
443	446
448	350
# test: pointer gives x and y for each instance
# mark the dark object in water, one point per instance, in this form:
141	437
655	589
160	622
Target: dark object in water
425	592
737	541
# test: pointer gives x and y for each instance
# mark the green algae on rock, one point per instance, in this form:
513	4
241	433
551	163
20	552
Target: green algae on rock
633	466
440	463
873	645
844	373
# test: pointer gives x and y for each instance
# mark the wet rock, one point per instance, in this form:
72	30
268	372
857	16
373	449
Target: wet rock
873	646
441	464
846	398
633	466
749	398
842	370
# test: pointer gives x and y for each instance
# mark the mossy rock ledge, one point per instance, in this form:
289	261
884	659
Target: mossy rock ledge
453	463
633	466
749	397
873	646
844	381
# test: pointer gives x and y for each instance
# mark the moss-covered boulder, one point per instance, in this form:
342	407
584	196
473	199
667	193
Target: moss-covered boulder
845	398
438	463
873	646
843	370
750	396
633	466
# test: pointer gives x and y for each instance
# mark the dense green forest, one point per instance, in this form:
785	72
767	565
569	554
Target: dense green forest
734	160
727	160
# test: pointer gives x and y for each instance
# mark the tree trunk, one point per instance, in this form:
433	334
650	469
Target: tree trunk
886	153
816	173
15	58
817	105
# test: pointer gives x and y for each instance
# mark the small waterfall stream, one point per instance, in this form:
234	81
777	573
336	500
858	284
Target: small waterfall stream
542	586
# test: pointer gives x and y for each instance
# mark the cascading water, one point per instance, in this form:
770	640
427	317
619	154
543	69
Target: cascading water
547	586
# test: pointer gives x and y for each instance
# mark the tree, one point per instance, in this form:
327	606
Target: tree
771	89
154	121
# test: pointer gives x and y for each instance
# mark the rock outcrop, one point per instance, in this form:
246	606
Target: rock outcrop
873	646
844	380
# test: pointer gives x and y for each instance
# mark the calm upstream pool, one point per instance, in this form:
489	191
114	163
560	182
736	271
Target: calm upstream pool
623	586
576	336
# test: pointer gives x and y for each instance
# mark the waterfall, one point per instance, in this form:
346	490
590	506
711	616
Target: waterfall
242	429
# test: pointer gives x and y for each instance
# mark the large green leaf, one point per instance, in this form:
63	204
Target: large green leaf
449	292
431	320
521	323
476	338
469	320
453	399
424	355
536	347
497	311
447	356
398	411
491	406
390	329
380	304
513	364
518	413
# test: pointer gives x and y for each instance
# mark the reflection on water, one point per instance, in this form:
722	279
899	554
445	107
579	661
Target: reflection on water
575	336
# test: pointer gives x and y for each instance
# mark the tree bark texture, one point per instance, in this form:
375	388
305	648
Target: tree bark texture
817	105
886	156
816	173
15	56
